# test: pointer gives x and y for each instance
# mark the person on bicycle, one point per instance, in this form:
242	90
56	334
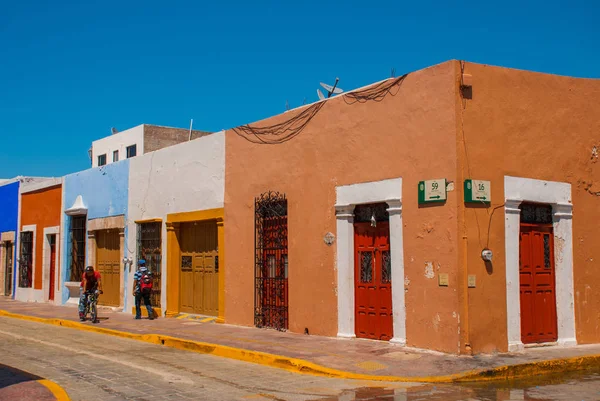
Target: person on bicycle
142	288
90	282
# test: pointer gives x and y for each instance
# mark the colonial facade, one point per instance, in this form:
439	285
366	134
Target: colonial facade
9	217
450	209
357	216
95	231
176	224
39	239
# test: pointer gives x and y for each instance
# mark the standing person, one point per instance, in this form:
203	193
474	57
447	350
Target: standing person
90	282
142	288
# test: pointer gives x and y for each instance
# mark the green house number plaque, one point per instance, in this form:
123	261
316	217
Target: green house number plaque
478	191
432	191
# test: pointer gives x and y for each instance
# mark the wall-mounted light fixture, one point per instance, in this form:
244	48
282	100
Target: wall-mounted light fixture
486	255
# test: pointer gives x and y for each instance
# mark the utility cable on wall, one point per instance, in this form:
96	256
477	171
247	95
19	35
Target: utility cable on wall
289	129
375	93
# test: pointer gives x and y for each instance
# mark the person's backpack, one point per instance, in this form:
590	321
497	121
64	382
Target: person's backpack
146	283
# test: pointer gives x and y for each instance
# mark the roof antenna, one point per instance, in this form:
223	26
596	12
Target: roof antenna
330	90
287	105
393	73
304	101
191	124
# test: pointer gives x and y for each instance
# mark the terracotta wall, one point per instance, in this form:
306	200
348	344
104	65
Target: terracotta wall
41	208
539	126
410	135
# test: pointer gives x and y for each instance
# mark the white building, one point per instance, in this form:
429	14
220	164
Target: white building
138	140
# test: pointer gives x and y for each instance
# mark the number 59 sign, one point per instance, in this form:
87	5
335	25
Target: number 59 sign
432	191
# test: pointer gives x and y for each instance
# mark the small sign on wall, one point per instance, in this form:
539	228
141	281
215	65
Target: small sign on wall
432	191
478	191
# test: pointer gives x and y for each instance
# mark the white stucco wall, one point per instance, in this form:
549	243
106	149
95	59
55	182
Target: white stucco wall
182	178
39	184
120	141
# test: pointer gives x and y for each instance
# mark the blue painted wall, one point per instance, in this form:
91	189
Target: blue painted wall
105	193
9	217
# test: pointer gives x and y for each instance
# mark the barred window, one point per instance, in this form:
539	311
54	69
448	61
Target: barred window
26	260
77	247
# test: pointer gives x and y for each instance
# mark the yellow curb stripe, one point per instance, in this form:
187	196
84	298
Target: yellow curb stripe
59	393
301	366
183	316
208	319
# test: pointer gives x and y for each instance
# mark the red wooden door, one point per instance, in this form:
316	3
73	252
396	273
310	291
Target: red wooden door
372	278
537	284
52	266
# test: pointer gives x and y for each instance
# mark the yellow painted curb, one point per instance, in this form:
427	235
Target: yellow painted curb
301	366
56	390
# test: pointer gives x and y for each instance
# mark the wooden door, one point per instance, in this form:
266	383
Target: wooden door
52	239
537	284
372	277
8	268
108	255
199	280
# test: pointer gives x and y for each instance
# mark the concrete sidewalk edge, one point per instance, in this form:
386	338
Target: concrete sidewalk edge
506	372
59	393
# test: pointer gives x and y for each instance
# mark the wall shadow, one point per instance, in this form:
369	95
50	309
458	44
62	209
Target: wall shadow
10	376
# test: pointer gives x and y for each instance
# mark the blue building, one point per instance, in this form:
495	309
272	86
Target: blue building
95	227
9	217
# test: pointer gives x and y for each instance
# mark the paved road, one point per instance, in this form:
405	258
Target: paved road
93	366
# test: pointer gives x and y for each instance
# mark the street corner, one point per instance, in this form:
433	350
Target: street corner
16	384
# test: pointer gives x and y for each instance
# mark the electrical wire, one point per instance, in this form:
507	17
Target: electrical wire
375	93
287	130
282	132
490	223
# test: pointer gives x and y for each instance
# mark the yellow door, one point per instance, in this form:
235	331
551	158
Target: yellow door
199	292
108	264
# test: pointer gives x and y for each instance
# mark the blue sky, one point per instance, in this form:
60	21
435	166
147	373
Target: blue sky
71	70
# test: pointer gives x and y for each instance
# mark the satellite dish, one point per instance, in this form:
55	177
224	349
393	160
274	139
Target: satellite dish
113	130
332	89
320	94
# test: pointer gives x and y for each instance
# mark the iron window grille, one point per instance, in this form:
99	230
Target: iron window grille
26	260
364	213
271	261
77	247
149	248
532	213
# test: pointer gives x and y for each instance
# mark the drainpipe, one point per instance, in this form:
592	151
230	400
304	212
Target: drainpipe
464	337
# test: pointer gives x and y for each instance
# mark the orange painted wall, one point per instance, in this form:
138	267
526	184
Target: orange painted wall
41	208
539	126
410	135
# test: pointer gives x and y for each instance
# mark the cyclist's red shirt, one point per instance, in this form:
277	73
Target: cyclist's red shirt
91	281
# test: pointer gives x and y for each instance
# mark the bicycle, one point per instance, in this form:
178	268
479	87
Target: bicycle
91	305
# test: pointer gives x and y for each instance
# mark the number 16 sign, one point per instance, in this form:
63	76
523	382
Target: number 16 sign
478	191
432	191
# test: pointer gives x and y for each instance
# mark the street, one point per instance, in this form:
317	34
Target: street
92	366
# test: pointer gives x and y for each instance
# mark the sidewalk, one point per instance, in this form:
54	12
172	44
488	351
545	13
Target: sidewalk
358	359
16	384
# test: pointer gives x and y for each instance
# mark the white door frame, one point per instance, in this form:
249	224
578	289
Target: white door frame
347	197
557	194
